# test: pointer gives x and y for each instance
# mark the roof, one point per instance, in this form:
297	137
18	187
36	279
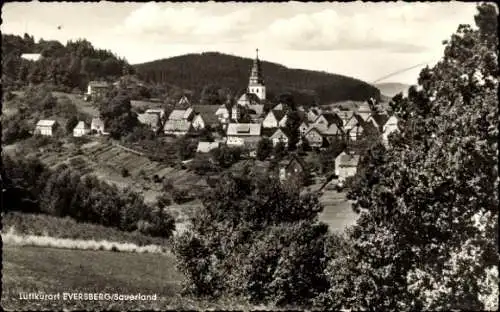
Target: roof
207	112
313	128
98	84
160	111
278	107
296	159
152	120
332	130
346	160
249	97
31	56
257	108
177	125
363	115
278	114
330	118
205	147
268	132
184	100
380	118
280	132
345	116
45	123
222	109
81	125
244	129
177	114
97	120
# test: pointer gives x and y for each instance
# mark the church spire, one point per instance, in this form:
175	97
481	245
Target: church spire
256	74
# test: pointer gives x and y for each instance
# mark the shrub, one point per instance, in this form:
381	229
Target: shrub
125	172
181	196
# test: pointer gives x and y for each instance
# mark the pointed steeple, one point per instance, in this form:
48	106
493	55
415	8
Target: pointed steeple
256	74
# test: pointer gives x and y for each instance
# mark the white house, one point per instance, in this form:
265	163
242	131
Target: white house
81	129
97	125
223	114
239	134
280	135
97	89
346	165
390	126
314	137
205	147
45	127
274	119
151	120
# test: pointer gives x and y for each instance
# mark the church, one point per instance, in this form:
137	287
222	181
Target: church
256	91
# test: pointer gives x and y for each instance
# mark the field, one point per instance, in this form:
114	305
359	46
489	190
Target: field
85	107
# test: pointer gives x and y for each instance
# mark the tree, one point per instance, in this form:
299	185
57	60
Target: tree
264	149
210	95
256	240
279	150
292	127
226	156
71	124
426	236
118	116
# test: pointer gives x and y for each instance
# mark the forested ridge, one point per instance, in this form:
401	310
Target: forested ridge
195	71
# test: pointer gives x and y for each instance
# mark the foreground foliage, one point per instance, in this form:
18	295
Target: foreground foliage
427	233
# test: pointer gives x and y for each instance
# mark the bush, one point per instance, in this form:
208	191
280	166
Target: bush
181	196
125	172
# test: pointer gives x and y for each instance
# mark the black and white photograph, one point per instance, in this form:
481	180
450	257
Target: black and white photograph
305	156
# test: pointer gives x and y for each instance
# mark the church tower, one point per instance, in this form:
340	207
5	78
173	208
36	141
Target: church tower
256	83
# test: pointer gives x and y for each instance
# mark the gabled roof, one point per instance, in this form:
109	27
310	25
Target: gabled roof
380	118
345	116
243	129
81	125
313	128
296	159
205	147
280	107
278	114
362	116
249	97
279	133
152	120
97	121
45	123
177	125
207	112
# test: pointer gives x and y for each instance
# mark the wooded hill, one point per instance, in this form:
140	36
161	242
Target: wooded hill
197	71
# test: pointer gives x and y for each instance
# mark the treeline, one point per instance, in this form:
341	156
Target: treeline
31	187
196	71
66	66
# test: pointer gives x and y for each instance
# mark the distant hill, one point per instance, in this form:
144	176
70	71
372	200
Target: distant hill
390	89
195	71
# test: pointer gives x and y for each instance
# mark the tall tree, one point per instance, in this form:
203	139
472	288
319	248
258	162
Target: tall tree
426	237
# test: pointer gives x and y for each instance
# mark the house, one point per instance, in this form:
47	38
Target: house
205	147
346	165
304	126
345	117
312	114
355	133
182	114
333	133
177	127
205	115
390	126
274	119
151	120
97	89
239	134
97	125
81	129
223	113
45	127
280	135
314	137
364	111
31	56
327	119
293	168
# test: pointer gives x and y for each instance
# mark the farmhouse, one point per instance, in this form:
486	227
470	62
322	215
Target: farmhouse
314	137
280	135
97	89
274	119
178	127
97	125
294	168
45	127
81	129
205	147
239	134
151	120
346	165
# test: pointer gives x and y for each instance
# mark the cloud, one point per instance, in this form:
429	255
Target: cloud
400	27
177	24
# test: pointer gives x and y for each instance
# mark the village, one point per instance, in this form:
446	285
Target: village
245	123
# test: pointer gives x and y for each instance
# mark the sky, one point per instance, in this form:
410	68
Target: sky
363	40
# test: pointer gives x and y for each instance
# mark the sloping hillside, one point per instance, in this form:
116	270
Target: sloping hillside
195	71
390	89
